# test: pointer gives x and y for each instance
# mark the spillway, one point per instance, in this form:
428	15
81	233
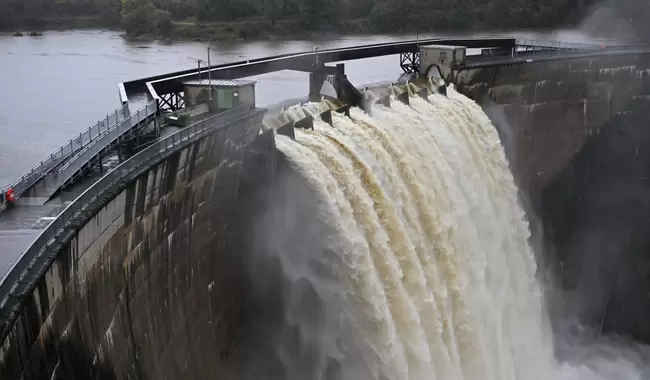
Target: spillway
430	274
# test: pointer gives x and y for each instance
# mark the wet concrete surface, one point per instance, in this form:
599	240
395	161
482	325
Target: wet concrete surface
12	244
19	227
546	111
21	224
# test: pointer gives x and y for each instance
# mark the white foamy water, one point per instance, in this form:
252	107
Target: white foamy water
438	278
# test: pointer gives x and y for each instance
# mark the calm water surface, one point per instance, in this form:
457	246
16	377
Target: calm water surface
59	84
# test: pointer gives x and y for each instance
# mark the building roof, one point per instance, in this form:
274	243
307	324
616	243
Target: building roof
219	82
444	47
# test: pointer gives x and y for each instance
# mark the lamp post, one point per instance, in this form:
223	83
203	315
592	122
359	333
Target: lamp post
209	74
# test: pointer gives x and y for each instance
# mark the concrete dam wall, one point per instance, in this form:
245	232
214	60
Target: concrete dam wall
145	283
166	276
546	110
577	135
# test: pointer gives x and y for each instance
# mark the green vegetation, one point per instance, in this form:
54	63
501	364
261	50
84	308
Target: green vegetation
260	19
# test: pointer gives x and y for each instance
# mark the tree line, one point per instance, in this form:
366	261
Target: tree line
160	17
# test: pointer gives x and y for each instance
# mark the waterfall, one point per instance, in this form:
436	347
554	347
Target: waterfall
435	276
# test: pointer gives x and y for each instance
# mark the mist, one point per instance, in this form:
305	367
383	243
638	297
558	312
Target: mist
297	276
627	20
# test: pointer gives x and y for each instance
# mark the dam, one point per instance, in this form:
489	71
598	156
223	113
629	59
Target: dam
381	234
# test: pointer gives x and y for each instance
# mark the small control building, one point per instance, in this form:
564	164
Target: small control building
226	93
444	57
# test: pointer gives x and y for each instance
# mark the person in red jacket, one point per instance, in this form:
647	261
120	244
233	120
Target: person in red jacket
10	197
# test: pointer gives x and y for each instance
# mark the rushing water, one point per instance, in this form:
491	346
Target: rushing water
435	273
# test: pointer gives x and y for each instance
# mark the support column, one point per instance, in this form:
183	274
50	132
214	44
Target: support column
315	84
319	75
340	77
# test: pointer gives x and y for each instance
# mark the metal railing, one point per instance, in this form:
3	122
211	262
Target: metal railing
124	99
555	45
24	272
68	149
544	49
68	170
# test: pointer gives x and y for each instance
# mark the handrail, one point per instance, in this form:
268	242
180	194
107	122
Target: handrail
78	160
23	274
553	44
151	92
68	149
124	99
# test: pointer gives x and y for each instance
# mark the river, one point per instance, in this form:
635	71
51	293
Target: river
56	85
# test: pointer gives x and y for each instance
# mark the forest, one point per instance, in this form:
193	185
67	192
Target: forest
256	19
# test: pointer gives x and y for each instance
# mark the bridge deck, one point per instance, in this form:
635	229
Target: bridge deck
476	62
170	83
302	61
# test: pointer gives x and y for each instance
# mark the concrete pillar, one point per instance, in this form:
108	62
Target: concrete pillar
320	74
340	74
315	83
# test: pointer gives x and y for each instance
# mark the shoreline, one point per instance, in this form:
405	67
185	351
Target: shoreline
250	31
231	32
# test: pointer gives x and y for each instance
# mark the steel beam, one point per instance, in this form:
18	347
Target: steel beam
410	62
302	61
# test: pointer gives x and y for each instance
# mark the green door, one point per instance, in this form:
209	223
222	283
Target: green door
224	98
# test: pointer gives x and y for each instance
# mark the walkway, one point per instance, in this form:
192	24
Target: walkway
19	227
473	62
64	165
